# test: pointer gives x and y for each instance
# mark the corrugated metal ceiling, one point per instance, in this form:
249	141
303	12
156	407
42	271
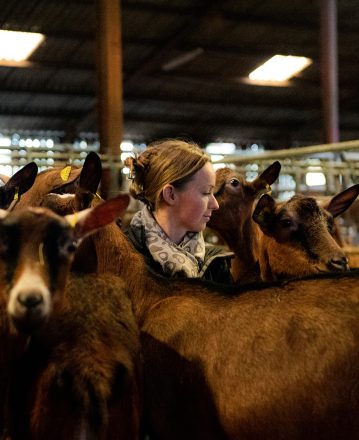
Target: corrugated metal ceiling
204	98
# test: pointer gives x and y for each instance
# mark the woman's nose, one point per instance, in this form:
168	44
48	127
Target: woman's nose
213	203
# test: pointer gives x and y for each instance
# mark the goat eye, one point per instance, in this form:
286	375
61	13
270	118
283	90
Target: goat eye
66	246
286	223
234	182
71	247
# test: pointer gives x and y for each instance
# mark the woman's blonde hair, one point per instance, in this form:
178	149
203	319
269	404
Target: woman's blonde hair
169	161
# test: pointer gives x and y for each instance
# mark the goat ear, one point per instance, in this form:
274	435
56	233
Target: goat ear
91	173
23	179
267	177
90	178
264	213
341	202
18	184
90	220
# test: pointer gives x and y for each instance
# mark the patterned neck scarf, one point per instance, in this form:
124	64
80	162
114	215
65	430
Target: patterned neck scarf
180	260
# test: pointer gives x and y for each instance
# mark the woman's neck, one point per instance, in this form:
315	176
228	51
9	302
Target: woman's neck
169	225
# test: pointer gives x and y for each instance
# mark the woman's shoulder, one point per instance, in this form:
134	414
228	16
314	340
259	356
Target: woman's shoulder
216	266
213	251
136	234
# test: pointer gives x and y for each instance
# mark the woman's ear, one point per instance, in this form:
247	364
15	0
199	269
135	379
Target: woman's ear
168	193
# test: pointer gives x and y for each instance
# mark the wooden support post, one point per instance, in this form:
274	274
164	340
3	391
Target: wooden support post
329	70
110	95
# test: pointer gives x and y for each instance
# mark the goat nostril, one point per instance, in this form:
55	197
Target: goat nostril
30	301
339	264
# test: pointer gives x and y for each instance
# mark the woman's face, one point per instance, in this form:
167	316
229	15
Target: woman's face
195	202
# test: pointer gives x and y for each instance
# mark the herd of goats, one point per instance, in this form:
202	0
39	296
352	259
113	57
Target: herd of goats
95	346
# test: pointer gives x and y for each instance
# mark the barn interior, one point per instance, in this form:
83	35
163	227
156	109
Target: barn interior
241	326
112	76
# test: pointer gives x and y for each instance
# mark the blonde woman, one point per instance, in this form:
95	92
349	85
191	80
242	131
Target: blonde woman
175	180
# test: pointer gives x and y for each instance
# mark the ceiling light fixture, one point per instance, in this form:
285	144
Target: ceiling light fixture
18	46
279	68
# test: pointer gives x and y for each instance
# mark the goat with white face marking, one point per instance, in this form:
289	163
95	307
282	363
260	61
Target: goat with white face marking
79	377
36	251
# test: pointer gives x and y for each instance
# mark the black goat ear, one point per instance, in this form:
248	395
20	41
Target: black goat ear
24	178
90	178
264	213
18	184
91	173
341	202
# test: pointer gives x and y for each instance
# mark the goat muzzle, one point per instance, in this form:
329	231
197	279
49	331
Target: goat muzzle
30	300
339	264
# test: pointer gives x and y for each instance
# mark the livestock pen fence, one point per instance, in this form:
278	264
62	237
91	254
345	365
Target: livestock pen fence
336	165
319	170
339	163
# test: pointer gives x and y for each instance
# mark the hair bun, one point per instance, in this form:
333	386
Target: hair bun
136	175
129	161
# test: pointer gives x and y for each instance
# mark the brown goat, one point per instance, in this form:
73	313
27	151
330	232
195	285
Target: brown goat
348	220
60	181
80	370
287	254
233	220
57	180
274	362
84	196
295	237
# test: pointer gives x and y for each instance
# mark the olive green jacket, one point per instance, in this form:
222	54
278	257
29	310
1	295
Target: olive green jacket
216	266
